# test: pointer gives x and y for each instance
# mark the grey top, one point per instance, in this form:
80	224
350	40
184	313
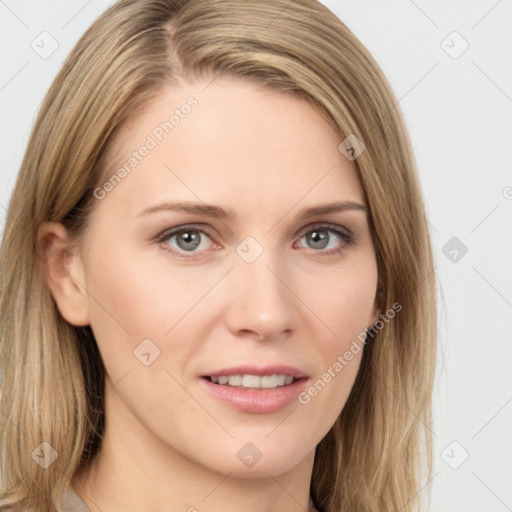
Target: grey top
72	502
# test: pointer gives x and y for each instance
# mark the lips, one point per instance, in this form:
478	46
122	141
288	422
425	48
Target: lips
256	389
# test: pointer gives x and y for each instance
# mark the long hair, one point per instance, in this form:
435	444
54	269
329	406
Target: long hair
378	454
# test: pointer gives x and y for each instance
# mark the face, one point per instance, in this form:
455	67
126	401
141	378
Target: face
212	283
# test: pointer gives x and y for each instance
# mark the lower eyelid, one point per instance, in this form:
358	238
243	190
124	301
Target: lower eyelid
346	238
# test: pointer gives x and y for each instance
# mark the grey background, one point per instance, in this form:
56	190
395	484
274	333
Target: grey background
459	112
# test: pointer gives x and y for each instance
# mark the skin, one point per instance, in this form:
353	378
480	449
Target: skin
169	444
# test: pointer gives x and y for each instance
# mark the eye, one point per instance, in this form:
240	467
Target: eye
326	236
188	241
184	239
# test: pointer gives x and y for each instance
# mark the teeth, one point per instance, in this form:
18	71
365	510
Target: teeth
235	380
253	381
269	381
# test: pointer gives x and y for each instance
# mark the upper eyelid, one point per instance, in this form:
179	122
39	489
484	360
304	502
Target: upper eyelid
326	225
205	229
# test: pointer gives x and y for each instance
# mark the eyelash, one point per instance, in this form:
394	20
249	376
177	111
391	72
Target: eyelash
346	238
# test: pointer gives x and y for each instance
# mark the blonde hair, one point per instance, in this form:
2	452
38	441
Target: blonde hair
377	455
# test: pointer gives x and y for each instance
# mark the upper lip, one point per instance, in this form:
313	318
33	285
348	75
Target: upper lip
278	369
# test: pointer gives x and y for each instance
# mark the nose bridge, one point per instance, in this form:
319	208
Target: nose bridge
260	300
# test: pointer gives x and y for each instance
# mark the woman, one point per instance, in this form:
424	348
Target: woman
217	286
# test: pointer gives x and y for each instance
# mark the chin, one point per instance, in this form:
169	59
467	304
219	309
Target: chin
259	459
260	470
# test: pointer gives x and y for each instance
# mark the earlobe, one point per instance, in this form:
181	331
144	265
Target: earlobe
375	315
64	272
377	305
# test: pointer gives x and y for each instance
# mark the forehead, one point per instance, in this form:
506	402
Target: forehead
229	141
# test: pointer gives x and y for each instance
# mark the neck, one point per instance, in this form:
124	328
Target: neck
136	471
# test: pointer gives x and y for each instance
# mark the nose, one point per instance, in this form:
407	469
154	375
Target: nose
260	303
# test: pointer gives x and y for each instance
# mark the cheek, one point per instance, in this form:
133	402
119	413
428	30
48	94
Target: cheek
128	294
132	299
346	308
126	304
346	300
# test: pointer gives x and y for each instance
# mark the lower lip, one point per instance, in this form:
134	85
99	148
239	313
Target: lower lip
257	401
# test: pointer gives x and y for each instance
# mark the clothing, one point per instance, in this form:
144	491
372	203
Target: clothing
72	502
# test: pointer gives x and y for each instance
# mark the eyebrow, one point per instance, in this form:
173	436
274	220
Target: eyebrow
216	212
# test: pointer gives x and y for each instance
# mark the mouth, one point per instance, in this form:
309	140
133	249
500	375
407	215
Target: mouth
256	389
255	382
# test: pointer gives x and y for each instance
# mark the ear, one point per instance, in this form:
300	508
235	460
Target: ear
377	308
374	315
64	272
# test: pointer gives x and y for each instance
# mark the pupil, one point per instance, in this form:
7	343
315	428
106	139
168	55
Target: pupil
188	240
319	238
